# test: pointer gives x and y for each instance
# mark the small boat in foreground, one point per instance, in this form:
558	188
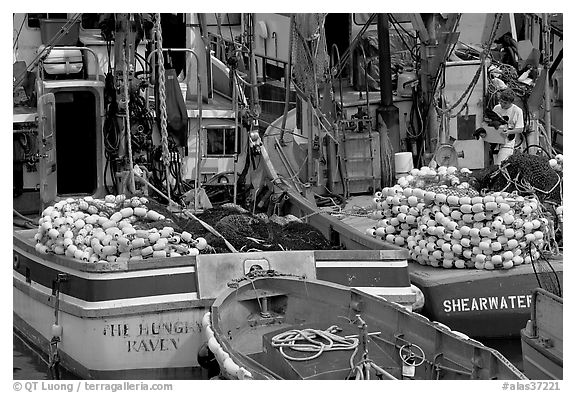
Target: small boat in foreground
274	327
542	344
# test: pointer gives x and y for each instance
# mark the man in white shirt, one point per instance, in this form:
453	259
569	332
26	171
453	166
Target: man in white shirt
515	123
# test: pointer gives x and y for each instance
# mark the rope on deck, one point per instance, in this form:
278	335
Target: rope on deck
307	340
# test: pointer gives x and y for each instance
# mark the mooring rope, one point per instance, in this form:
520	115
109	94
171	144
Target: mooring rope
307	340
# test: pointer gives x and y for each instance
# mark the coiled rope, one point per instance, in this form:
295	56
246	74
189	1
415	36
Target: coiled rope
307	340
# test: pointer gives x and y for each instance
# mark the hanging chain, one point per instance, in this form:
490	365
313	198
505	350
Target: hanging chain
162	101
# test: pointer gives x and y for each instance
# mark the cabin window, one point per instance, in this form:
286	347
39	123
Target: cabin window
220	142
34	19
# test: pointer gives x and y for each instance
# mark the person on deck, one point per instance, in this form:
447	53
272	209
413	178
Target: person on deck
514	118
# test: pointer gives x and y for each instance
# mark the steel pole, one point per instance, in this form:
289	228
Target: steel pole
547	117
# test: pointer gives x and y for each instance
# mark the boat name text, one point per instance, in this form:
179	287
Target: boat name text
150	337
468	304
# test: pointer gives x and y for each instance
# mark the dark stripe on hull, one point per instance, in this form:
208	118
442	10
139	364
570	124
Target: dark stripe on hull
365	276
113	289
36	340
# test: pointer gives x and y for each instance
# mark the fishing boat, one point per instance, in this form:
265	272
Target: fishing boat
133	319
329	153
289	328
142	319
542	338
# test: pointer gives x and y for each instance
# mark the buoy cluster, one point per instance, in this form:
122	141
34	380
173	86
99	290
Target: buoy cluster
95	230
444	227
557	163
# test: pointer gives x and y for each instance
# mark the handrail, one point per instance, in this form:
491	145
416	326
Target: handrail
266	57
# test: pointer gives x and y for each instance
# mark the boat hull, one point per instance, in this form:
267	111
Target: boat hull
450	294
139	345
142	319
466	299
542	338
538	363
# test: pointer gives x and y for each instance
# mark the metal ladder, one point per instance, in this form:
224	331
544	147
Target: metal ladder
346	159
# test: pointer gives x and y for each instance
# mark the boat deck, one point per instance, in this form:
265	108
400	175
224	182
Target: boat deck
334	364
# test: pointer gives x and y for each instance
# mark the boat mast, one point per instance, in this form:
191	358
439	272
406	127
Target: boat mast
124	60
387	113
547	115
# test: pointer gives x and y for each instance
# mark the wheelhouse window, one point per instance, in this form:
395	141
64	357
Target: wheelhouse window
34	19
220	141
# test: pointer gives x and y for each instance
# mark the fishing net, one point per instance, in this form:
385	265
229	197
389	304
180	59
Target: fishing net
248	232
545	274
311	60
527	174
117	229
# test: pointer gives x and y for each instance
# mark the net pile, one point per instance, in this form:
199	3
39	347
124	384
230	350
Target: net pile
116	230
532	174
454	227
248	232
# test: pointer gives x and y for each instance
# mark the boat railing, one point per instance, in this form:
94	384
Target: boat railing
266	59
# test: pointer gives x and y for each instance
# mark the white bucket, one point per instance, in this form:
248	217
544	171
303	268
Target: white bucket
184	88
403	162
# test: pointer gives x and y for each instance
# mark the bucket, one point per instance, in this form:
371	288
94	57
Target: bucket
403	162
